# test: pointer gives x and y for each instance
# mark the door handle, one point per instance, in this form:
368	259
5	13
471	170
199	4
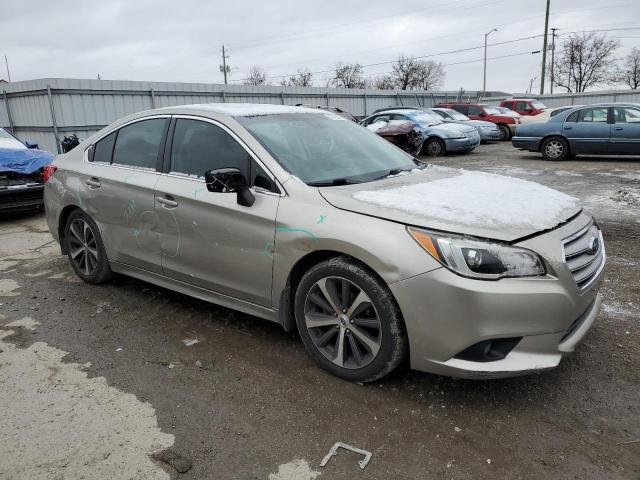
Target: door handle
567	127
167	201
92	182
619	128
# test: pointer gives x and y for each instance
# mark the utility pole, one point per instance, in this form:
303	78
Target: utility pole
484	74
544	49
553	56
224	68
6	62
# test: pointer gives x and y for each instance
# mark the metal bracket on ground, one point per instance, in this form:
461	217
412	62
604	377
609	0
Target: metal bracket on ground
334	451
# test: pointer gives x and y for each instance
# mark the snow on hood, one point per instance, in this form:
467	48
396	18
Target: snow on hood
460	201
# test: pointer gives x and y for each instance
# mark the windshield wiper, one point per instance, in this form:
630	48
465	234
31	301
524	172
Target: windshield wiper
334	182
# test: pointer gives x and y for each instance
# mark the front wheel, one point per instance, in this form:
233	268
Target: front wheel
505	133
85	248
434	147
555	148
349	321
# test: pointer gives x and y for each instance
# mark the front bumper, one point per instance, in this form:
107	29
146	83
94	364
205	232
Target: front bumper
23	197
461	144
490	135
446	313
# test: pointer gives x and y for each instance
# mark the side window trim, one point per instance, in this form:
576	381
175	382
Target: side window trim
88	158
280	191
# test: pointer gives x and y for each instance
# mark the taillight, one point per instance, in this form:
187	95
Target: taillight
47	172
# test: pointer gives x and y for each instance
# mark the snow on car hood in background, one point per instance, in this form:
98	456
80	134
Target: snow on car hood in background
460	201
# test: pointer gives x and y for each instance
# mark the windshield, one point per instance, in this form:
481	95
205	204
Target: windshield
539	105
456	115
424	118
9	141
324	148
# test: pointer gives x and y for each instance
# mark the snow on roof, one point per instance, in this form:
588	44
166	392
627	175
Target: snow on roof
252	109
478	199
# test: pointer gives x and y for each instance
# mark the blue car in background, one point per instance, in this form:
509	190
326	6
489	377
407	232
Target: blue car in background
23	171
601	129
438	137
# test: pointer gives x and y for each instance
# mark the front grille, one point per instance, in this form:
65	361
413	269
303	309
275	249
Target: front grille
584	255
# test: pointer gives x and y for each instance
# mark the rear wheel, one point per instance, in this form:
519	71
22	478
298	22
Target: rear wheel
505	133
555	148
85	249
349	322
434	147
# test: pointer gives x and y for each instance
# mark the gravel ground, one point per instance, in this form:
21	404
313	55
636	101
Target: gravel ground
97	382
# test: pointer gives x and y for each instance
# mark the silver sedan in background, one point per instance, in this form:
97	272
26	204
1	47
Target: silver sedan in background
303	218
488	131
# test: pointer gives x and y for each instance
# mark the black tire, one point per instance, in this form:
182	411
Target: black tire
504	132
358	363
85	248
555	149
434	147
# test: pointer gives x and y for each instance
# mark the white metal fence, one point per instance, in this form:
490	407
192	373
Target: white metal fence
45	110
48	109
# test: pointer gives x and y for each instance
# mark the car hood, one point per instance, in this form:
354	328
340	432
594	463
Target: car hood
482	123
452	129
459	201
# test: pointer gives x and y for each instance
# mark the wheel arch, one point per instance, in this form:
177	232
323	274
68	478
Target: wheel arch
303	264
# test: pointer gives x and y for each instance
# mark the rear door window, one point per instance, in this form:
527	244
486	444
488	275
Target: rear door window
593	115
461	108
201	146
103	150
138	144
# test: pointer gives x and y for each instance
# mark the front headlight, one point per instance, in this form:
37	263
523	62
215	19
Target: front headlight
478	259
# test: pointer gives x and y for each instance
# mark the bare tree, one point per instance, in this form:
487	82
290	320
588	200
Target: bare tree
381	82
629	72
584	60
348	76
404	72
429	75
256	76
304	78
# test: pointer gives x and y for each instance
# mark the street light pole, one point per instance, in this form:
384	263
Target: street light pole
484	74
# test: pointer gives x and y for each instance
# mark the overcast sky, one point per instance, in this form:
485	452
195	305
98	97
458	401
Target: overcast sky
180	40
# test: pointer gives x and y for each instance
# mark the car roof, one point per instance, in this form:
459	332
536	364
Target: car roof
401	110
239	109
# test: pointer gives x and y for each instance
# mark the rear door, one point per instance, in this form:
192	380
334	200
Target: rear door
588	130
118	191
625	131
208	239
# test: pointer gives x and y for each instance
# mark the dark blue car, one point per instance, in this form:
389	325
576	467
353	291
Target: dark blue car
23	170
602	129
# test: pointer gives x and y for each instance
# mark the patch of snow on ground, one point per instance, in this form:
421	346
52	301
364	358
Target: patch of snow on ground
294	470
566	173
479	199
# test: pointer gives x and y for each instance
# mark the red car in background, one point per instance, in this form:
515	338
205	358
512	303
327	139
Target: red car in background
475	111
525	106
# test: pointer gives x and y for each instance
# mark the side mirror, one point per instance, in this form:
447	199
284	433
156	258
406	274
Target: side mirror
31	145
230	180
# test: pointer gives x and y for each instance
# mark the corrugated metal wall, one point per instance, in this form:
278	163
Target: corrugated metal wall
84	106
563	99
33	107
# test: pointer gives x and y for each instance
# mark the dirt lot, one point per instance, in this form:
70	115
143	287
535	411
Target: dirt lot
93	380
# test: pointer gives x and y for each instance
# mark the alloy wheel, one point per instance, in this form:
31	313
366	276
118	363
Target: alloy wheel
83	247
434	149
554	149
342	322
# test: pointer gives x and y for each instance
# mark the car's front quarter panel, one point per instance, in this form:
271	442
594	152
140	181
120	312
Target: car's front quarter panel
307	223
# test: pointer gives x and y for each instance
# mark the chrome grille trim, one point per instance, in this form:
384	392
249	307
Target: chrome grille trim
585	266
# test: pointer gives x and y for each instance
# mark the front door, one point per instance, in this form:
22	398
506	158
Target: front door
625	131
118	191
588	130
208	239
